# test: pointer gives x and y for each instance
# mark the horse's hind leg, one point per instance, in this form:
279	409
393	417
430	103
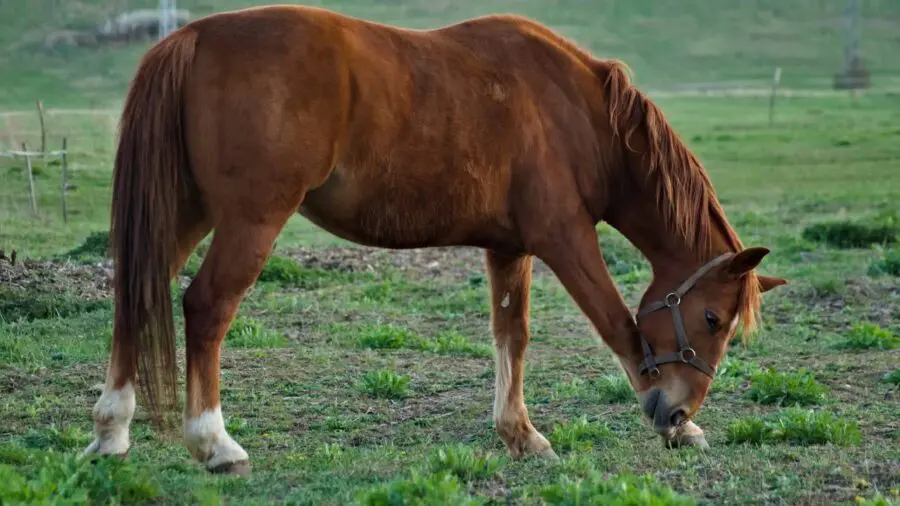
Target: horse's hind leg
510	278
236	257
114	409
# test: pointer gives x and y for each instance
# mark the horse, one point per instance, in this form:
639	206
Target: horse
493	132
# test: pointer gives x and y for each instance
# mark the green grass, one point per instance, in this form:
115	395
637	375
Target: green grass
887	264
249	333
796	388
465	462
597	489
580	434
795	426
50	478
385	384
295	363
868	336
667	42
847	234
892	377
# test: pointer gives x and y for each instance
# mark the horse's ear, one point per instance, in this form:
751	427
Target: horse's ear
767	283
745	261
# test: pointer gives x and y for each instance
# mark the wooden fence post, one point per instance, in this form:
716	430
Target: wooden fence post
64	186
776	80
40	108
30	179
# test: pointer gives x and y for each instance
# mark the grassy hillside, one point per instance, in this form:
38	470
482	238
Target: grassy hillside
669	43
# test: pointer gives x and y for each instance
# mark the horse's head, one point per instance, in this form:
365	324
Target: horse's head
686	320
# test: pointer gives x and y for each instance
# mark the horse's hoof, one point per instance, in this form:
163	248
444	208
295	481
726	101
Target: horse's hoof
547	454
239	468
697	440
94	457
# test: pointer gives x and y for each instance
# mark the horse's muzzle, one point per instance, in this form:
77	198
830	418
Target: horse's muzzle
665	417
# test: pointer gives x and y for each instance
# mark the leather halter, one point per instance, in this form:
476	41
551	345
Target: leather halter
685	353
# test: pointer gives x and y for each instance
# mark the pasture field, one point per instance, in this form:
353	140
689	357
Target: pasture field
669	43
365	375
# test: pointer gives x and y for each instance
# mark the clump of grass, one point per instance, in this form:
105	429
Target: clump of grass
15	306
67	438
465	463
95	247
731	367
580	434
848	234
798	388
287	272
454	343
392	337
385	337
249	333
877	500
795	426
614	388
889	264
623	489
892	377
868	336
51	478
419	489
385	384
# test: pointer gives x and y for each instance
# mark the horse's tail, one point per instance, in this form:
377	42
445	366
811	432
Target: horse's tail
151	169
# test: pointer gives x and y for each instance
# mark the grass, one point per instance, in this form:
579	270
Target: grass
797	388
668	43
249	333
820	419
795	426
887	264
892	377
465	463
847	234
580	434
625	489
868	336
49	478
385	384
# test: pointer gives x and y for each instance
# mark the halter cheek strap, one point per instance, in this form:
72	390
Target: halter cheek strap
685	353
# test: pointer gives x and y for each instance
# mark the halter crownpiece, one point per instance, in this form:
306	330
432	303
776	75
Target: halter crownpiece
685	353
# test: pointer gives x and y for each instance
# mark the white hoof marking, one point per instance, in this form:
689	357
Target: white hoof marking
209	443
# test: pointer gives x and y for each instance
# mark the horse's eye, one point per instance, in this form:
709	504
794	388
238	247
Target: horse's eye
711	320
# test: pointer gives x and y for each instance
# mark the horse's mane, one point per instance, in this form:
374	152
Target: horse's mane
684	193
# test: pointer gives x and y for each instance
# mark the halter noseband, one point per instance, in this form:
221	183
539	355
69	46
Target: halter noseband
685	353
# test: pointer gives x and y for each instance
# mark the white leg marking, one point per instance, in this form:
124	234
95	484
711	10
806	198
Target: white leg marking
503	375
208	442
505	301
112	418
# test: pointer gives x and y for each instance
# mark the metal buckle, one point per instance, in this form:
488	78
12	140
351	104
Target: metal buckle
668	299
682	352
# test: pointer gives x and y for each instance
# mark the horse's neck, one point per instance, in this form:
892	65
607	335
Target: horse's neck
637	217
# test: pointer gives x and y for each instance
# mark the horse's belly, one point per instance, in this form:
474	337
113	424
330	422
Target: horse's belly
376	215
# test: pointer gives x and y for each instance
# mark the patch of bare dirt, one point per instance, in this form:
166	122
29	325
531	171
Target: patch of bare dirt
451	263
87	282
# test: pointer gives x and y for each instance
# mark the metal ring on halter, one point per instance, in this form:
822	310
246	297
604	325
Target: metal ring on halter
683	351
669	297
653	373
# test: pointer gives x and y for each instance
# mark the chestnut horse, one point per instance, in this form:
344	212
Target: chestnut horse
493	133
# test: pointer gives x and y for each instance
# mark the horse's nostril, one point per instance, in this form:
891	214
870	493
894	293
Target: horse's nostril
678	418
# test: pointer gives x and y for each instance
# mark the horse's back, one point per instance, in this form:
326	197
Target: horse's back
404	138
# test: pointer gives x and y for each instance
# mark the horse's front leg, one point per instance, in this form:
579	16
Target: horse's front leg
510	278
